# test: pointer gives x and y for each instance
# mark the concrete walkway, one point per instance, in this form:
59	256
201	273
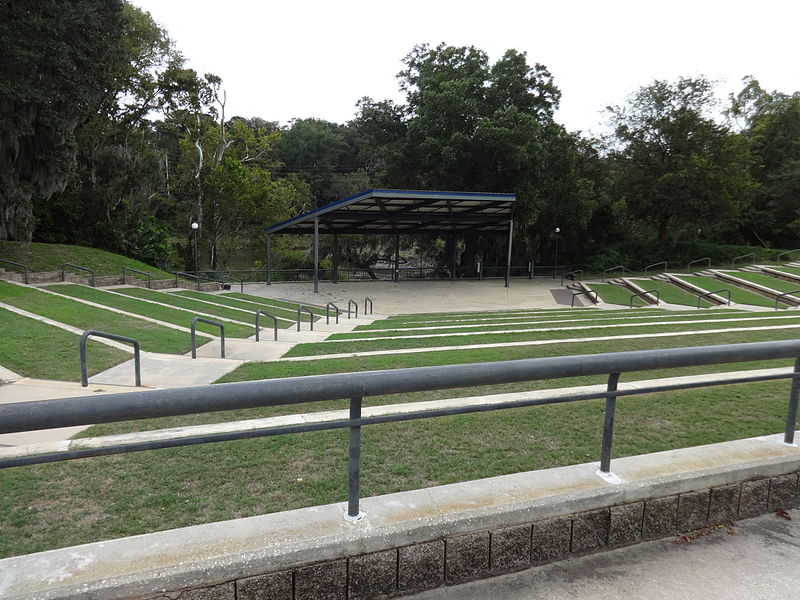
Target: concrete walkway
756	559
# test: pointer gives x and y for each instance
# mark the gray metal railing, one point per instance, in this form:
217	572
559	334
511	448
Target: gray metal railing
354	304
25	269
735	258
571	275
618	267
274	323
709	294
706	260
586	293
658	264
137	365
185	274
311	315
367	300
80	268
779	296
655	293
328	313
197	320
66	412
782	254
125	272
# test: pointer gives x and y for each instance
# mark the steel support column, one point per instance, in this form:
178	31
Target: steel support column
269	259
396	257
316	255
508	260
335	265
453	260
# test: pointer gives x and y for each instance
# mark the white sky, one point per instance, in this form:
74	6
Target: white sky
284	60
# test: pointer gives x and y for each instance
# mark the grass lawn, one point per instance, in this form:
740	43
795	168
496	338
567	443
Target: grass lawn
250	306
615	294
345	346
792	270
50	257
152	337
292	306
671	293
738	295
771	282
148	309
34	349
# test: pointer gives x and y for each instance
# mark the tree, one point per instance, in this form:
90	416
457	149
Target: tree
675	167
57	63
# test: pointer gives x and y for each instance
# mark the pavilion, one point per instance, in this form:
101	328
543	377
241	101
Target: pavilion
397	212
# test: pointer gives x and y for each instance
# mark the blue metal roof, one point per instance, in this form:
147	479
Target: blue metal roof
406	211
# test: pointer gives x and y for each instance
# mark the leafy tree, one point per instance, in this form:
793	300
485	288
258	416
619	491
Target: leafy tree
676	168
57	64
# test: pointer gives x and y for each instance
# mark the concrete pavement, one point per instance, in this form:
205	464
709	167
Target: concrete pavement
757	561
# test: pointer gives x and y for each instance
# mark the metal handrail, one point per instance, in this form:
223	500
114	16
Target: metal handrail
613	269
16	264
735	258
137	365
707	259
197	320
196	278
355	305
365	306
126	269
328	314
65	412
260	312
586	292
778	258
64	271
652	292
709	294
530	269
241	282
779	296
573	273
311	314
658	264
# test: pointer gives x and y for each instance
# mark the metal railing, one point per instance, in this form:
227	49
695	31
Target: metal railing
354	304
658	264
137	365
260	312
782	254
16	264
367	300
706	260
586	293
197	320
709	294
571	275
125	272
66	412
779	296
311	315
328	313
185	274
655	293
618	267
735	258
80	268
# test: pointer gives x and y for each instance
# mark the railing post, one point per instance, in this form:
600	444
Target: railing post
608	425
791	418
137	364
209	322
328	313
354	464
355	307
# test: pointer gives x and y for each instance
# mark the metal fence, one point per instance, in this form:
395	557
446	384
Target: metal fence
67	412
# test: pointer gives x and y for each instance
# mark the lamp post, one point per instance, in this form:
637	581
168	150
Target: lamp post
195	227
555	266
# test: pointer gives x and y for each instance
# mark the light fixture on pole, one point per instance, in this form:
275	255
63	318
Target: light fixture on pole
195	227
555	265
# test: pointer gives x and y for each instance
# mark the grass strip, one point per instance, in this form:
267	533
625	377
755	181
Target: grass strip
292	306
322	348
132	304
49	506
738	295
151	336
616	294
286	317
671	293
771	282
35	349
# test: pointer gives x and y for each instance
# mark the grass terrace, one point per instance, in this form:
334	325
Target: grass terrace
292	306
671	293
616	294
738	295
766	280
286	317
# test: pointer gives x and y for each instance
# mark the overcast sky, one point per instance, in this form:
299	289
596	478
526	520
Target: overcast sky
313	58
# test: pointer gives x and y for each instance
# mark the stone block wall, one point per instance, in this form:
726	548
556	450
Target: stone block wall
485	553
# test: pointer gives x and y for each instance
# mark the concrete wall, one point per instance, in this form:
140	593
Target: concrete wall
422	539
